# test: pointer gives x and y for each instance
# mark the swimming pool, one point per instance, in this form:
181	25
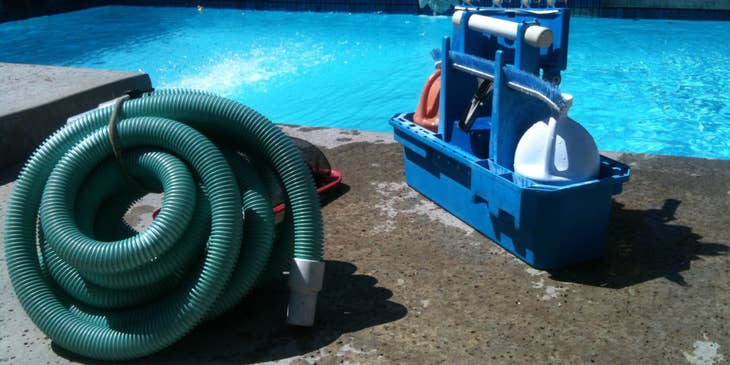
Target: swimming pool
651	86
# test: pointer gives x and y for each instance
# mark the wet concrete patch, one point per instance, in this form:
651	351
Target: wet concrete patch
333	137
309	129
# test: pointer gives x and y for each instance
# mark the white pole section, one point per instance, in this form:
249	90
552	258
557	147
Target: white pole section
535	35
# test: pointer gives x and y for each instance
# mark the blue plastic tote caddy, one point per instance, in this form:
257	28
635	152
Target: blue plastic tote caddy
469	171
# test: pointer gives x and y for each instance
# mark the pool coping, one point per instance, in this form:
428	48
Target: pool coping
49	95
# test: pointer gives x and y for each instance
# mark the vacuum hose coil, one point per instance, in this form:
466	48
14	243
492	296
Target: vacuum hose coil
100	289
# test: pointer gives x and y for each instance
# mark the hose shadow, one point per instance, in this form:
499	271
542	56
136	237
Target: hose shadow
256	331
643	245
332	195
10	173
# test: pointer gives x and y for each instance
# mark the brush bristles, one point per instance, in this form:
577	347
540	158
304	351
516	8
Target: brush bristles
538	85
519	80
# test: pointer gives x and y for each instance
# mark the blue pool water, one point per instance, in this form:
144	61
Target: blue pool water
653	86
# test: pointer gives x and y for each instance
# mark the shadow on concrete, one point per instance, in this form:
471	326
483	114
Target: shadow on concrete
256	330
10	173
332	195
643	245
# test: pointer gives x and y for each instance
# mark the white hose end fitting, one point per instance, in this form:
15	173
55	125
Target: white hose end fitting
305	282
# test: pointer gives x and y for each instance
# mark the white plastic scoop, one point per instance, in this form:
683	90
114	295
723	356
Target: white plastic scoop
557	151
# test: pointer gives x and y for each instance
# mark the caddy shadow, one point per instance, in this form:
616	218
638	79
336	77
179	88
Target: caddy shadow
643	245
256	331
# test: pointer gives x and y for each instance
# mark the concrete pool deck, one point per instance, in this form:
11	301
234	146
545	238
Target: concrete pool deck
406	282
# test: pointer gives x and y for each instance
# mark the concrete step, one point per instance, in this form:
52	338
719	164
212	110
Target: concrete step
36	100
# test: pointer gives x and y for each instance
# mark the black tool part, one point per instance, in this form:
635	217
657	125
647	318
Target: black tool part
477	103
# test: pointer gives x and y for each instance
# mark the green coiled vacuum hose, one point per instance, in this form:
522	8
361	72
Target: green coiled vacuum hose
102	290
